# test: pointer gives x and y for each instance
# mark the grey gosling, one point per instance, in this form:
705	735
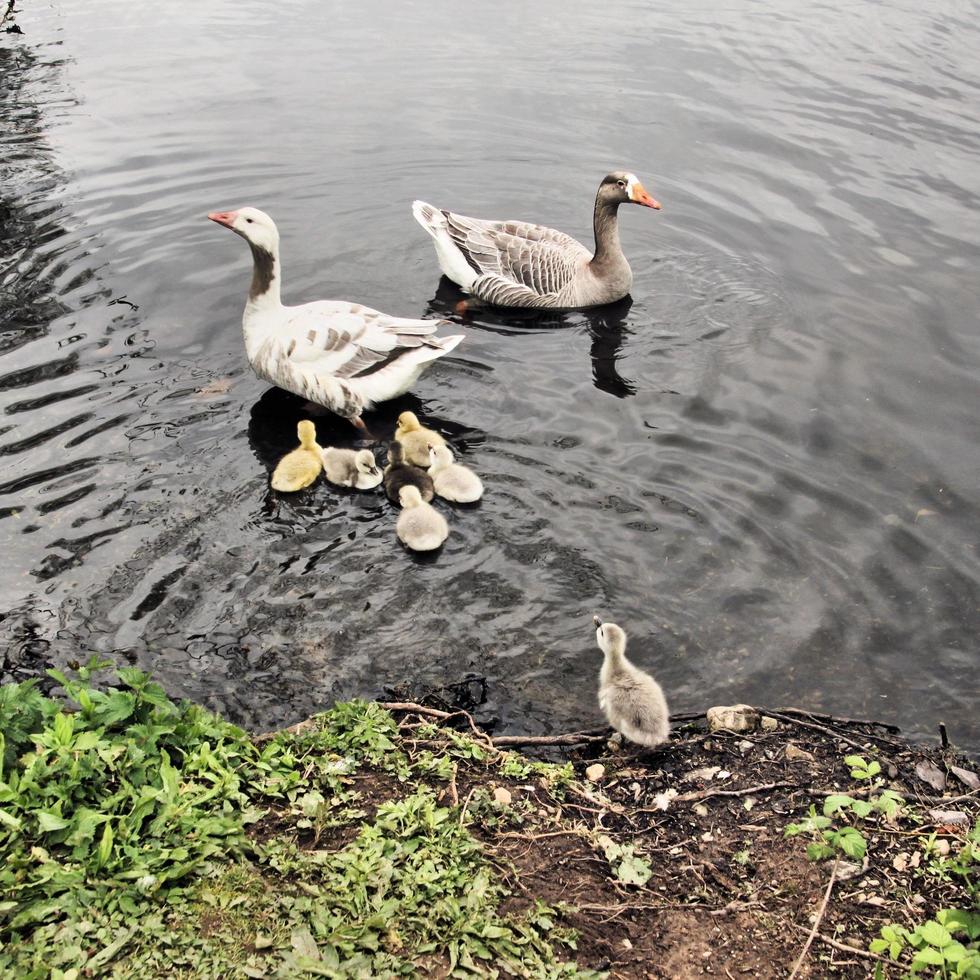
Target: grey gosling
420	526
350	468
631	699
452	481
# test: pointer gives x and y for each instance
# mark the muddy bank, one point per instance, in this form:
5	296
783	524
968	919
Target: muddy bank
142	837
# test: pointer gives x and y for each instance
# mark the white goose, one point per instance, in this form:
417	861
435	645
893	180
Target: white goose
512	263
343	356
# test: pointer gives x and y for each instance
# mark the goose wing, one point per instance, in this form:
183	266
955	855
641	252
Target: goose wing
515	257
343	340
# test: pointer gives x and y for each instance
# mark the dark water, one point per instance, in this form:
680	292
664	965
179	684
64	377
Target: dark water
765	466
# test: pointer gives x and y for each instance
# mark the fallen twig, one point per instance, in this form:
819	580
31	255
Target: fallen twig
818	728
816	921
572	738
417	709
837	718
843	947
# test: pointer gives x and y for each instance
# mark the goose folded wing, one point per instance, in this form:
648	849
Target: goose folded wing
536	258
344	340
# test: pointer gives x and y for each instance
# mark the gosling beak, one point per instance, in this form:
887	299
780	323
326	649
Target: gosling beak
639	195
596	622
226	218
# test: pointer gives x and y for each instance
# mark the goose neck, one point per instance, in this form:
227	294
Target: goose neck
605	224
266	277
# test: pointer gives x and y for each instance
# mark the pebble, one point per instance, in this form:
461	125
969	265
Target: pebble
795	754
595	772
502	795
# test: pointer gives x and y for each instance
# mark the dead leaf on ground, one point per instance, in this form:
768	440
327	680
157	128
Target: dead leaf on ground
931	774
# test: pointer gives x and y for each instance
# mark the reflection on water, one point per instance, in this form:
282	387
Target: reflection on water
763	462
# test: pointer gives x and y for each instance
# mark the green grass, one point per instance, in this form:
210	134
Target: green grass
142	837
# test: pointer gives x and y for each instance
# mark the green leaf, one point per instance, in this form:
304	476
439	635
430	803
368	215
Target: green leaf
861	808
49	822
633	870
934	934
117	707
105	845
834	803
9	820
928	956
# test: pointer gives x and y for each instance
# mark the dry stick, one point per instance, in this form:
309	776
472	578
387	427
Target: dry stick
817	921
708	793
572	738
7	12
838	718
843	947
418	709
818	728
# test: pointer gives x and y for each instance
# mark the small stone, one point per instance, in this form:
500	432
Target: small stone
745	746
733	718
795	754
848	869
627	944
502	795
971	779
700	809
951	817
769	724
941	847
595	772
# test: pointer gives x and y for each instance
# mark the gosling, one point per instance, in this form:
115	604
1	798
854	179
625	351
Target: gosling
399	473
348	468
416	439
420	526
632	700
450	480
302	466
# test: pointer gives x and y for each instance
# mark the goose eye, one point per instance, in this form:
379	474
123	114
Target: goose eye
621	183
249	220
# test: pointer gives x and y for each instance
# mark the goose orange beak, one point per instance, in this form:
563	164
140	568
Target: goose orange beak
639	195
226	218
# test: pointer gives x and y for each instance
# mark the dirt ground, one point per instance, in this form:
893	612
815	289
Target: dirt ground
725	892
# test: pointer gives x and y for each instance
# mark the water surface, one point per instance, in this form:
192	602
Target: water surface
763	464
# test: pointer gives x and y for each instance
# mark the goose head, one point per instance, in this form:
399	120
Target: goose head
610	637
306	431
364	463
440	456
408	422
409	496
622	187
255	226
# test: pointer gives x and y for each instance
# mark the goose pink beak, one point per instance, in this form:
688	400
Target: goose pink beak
226	218
640	196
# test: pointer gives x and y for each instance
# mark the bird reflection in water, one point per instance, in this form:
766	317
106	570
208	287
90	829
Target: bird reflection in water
606	325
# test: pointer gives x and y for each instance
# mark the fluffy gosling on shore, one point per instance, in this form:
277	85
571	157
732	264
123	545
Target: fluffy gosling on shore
348	468
451	480
631	699
302	466
420	526
416	439
400	473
